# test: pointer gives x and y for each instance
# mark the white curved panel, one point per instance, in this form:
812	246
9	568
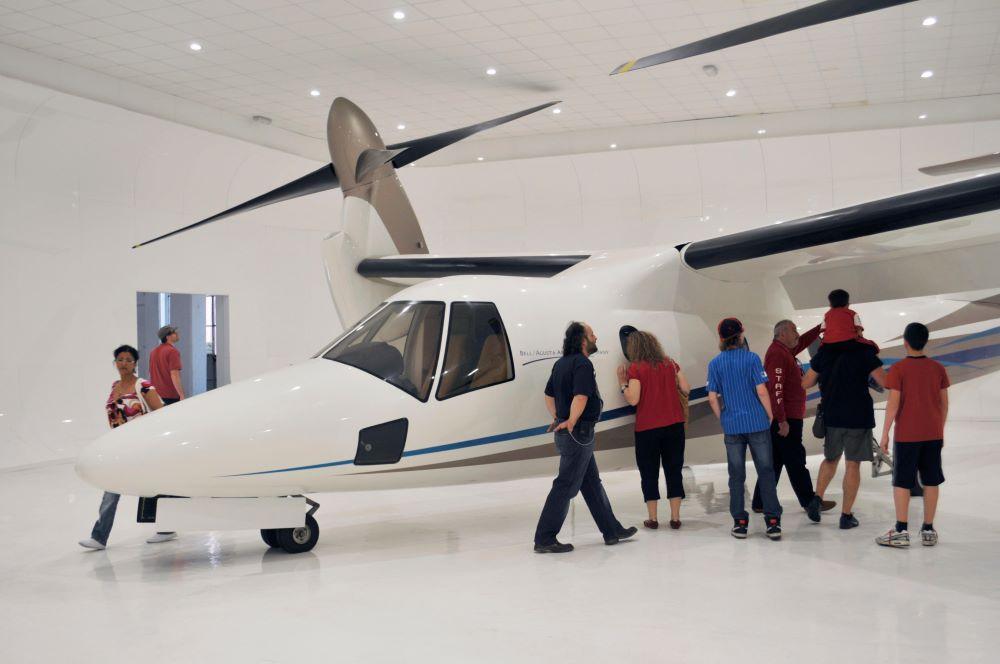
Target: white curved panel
797	170
864	165
732	185
609	194
669	188
926	146
552	205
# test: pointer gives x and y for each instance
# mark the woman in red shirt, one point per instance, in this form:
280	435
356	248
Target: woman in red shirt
652	382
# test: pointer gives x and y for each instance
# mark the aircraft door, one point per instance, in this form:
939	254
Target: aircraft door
477	352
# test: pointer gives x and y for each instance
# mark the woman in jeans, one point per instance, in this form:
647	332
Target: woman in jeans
130	397
651	382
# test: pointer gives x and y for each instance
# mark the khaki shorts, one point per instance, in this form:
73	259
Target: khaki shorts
853	444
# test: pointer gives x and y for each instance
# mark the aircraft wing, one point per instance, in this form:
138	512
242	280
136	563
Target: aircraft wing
409	268
944	239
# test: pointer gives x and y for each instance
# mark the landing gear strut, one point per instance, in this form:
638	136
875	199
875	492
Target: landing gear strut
295	540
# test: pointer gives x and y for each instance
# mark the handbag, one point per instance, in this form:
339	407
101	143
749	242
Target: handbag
819	425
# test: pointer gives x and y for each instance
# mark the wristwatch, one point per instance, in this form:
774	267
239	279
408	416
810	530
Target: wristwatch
623	388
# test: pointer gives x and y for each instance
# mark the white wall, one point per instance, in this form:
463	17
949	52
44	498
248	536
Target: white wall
80	182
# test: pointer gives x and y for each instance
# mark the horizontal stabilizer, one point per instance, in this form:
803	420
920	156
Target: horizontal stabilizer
420	267
319	180
821	12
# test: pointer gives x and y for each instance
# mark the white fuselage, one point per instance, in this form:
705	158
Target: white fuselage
295	430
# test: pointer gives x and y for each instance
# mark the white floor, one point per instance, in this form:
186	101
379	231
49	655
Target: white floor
449	575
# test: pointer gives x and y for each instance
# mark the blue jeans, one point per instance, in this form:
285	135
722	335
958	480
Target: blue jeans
105	517
577	474
736	456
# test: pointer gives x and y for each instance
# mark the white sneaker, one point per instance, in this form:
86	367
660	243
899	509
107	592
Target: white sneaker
91	543
928	537
894	538
156	538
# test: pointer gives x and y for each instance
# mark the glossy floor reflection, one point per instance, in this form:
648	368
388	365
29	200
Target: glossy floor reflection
448	575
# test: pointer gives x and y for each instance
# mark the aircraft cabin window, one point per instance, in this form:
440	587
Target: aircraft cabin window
399	343
478	353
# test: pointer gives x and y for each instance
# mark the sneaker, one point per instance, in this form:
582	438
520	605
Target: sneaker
555	547
827	505
739	530
847	521
773	524
928	537
622	534
91	543
813	509
160	537
894	538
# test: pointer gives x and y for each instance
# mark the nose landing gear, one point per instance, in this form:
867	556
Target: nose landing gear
295	540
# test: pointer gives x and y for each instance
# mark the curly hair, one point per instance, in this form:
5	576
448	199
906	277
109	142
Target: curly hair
643	346
573	341
125	348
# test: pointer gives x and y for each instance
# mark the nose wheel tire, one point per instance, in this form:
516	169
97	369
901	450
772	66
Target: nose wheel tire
270	537
297	540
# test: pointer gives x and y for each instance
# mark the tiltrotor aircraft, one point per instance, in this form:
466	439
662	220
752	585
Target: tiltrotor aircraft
439	375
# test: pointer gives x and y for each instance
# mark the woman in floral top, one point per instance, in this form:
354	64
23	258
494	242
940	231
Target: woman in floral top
130	397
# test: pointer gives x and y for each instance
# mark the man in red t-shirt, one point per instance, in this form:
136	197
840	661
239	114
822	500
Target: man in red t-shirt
165	366
788	403
918	404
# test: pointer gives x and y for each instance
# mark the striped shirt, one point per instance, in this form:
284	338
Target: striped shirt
735	375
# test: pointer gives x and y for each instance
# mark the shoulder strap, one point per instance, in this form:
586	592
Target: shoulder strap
138	394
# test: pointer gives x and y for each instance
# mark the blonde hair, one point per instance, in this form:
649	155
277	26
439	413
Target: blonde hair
644	347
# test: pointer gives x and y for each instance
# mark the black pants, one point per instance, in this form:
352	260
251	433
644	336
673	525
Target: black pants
167	401
789	453
653	447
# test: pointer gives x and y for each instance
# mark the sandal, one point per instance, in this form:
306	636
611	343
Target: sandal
652	525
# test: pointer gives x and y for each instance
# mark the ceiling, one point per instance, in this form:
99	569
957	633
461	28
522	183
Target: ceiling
428	71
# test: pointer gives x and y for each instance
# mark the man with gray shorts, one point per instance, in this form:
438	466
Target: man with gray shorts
842	370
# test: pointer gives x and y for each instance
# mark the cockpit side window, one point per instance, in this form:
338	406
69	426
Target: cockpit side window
478	352
398	344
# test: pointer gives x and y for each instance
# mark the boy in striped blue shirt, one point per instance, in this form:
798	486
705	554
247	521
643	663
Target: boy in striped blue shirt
738	377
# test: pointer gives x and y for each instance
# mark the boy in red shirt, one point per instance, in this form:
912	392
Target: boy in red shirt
841	323
918	403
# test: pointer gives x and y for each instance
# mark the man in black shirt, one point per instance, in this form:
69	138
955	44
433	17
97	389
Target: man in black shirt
842	370
574	401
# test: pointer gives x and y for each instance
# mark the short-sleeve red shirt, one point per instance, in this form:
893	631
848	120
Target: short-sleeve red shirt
659	405
919	381
162	360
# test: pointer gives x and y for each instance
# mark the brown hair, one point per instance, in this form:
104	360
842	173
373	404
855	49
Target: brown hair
644	347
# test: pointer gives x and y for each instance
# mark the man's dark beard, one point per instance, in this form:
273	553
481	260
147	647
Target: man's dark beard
591	347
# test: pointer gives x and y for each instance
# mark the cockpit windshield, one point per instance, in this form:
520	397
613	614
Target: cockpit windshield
398	343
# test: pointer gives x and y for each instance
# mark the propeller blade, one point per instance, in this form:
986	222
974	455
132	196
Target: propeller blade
821	12
371	159
410	151
963	165
319	180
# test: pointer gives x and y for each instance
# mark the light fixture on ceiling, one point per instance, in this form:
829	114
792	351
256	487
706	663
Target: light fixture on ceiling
479	158
194	46
401	126
731	92
922	116
710	70
557	110
929	21
491	72
927	73
399	15
761	132
314	92
261	119
613	146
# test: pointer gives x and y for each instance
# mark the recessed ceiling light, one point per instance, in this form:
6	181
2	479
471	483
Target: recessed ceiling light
613	146
927	73
399	15
557	111
491	72
730	93
479	158
922	116
401	126
66	421
929	21
194	46
314	92
762	131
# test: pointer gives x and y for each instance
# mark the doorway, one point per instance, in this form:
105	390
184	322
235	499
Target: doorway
202	321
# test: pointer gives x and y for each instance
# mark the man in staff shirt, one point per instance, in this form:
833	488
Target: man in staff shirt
788	404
